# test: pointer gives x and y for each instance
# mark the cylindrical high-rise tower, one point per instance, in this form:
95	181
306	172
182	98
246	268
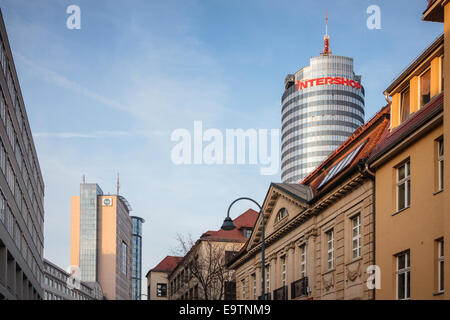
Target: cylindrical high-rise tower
321	107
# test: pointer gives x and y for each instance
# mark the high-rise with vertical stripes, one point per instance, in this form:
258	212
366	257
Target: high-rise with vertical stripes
322	105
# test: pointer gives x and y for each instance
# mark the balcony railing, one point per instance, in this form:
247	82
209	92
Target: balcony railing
281	293
299	288
267	296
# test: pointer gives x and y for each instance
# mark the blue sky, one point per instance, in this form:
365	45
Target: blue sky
106	98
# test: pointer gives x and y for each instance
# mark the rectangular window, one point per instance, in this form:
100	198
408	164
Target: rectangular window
2	207
243	289
254	286
268	278
303	261
330	249
356	236
403	186
404	105
441	164
425	88
440	261
124	257
283	270
403	276
161	290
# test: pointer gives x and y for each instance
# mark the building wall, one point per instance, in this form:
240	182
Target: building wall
153	279
184	290
446	129
21	190
56	286
416	228
346	281
114	229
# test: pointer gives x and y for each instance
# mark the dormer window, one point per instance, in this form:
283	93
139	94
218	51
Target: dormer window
281	214
404	105
425	88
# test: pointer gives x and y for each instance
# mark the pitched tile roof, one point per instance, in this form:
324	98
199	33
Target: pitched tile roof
168	264
245	220
368	135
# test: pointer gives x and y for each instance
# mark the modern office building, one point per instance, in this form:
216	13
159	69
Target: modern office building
58	285
322	105
136	269
101	240
21	190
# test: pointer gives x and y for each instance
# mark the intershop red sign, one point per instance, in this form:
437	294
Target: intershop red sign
327	81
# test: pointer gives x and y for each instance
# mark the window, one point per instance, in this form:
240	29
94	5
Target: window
330	249
403	186
425	88
403	276
404	105
283	270
254	286
440	262
268	278
161	290
124	257
247	232
303	261
441	164
243	289
356	236
281	214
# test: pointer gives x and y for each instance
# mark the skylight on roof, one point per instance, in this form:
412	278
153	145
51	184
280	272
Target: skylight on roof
341	165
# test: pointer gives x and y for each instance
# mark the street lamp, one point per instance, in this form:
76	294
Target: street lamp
229	225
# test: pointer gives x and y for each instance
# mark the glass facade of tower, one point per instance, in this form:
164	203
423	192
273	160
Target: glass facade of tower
88	231
322	106
136	270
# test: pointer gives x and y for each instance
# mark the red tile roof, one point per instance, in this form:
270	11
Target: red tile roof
168	264
370	133
245	220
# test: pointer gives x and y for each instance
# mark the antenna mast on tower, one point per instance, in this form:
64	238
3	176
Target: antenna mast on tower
326	39
118	184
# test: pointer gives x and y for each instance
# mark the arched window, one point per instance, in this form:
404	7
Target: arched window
281	214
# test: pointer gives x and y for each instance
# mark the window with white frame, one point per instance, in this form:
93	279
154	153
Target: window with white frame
330	249
403	276
441	164
440	265
403	186
303	261
283	271
356	236
243	289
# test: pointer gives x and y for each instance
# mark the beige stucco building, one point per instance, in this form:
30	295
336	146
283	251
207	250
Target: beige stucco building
101	246
319	233
202	273
158	278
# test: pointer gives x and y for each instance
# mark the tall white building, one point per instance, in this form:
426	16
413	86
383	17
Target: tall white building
322	105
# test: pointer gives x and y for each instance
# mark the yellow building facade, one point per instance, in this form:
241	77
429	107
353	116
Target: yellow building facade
412	178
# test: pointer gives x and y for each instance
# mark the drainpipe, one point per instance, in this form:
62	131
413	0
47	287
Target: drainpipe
365	171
